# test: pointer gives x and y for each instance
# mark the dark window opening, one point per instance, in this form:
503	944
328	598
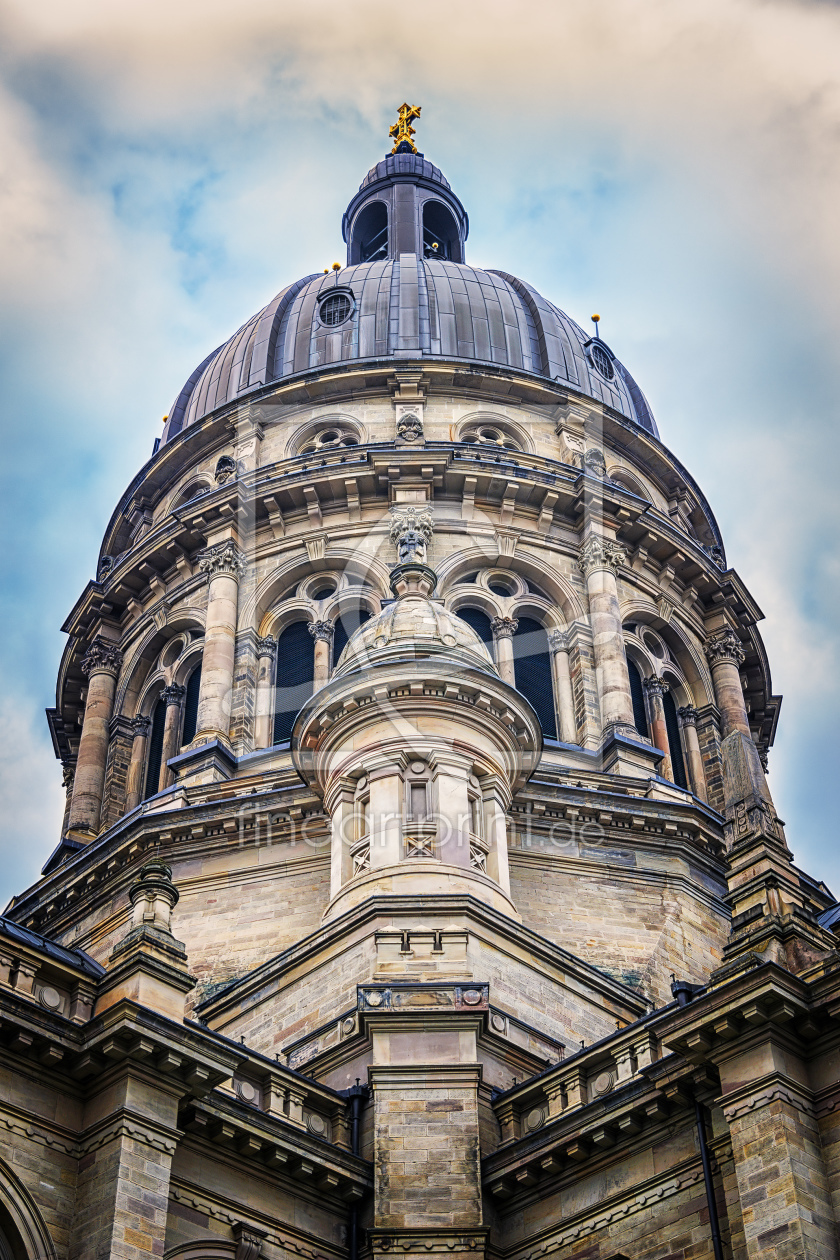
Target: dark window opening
370	234
191	705
335	310
345	626
532	670
672	726
155	754
637	693
480	623
295	673
440	233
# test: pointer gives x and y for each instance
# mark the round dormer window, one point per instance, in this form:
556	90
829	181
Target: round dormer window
601	360
335	309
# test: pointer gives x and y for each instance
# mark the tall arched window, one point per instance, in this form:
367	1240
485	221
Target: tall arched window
295	673
637	693
674	742
191	705
532	670
480	623
155	753
346	625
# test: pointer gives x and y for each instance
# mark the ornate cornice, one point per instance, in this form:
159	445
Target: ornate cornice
321	631
724	646
102	657
655	686
504	627
687	716
225	557
173	694
267	646
600	553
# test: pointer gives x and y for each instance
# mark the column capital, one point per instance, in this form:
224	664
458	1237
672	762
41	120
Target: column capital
687	716
600	553
173	694
321	630
504	627
102	657
225	557
558	640
655	686
267	646
724	646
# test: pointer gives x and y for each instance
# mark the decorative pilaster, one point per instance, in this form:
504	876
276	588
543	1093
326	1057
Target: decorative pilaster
223	564
266	655
173	697
599	559
558	642
101	665
656	688
504	628
687	718
141	726
322	632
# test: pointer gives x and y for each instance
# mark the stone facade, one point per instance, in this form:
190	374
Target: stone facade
379	922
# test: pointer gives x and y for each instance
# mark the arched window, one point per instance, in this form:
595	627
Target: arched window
346	625
370	234
480	623
155	753
637	693
532	670
440	233
674	741
191	705
295	674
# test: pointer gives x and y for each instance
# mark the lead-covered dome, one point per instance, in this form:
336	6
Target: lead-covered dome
411	627
407	293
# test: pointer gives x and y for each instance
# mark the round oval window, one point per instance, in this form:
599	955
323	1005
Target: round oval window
335	309
602	361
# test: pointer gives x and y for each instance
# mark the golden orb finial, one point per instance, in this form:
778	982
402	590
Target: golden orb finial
336	266
596	319
402	131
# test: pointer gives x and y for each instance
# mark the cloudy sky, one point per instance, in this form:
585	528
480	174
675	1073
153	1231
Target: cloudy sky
165	168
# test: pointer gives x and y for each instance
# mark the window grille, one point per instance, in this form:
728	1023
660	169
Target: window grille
345	625
674	742
335	309
155	753
532	670
480	623
601	360
638	697
295	674
191	705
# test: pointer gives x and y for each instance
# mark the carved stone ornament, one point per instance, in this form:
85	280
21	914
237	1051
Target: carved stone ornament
267	646
102	657
687	716
225	470
173	694
600	553
141	725
410	427
558	640
225	557
68	774
322	631
411	532
106	564
725	646
249	1241
655	686
593	463
504	627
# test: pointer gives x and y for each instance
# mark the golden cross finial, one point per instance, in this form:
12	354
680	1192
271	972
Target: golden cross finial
402	131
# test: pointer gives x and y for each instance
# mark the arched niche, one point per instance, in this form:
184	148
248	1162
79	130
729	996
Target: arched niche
441	238
369	234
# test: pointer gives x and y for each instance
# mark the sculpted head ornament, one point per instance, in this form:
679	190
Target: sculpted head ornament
411	532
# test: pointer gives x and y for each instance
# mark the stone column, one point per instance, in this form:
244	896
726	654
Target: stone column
172	696
504	628
224	564
599	560
101	665
68	773
688	724
266	655
559	644
134	787
655	689
725	654
322	632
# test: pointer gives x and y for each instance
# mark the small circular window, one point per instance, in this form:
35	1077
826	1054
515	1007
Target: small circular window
335	309
601	360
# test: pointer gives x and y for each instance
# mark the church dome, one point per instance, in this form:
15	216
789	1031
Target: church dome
407	292
410	628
